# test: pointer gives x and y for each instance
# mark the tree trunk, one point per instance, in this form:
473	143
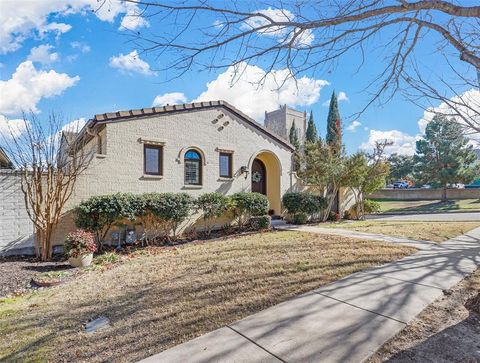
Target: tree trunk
444	193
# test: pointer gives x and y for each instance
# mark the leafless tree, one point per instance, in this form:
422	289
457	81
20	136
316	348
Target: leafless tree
310	37
48	159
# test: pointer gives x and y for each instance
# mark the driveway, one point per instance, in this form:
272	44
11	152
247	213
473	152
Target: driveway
430	217
345	321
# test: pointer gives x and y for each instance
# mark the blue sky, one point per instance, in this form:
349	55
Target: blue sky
80	66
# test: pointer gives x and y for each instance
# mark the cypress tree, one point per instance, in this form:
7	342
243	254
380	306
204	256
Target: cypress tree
293	136
311	134
334	124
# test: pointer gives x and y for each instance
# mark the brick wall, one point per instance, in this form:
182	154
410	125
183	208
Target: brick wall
16	229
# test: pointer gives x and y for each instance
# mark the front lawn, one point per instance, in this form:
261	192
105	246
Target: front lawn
425	206
426	231
161	297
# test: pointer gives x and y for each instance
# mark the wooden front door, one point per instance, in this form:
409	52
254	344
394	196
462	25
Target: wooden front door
259	177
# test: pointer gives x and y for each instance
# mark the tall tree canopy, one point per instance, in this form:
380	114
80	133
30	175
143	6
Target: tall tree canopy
293	137
401	167
311	134
334	124
444	156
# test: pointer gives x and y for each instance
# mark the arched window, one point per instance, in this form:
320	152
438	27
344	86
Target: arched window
193	168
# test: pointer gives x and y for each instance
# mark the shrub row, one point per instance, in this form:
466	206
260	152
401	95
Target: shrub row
303	205
162	213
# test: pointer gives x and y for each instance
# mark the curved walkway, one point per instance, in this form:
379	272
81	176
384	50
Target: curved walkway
345	321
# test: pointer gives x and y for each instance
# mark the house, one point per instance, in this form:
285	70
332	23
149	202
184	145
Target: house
194	148
5	162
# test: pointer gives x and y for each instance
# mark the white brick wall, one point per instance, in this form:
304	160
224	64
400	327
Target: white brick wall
16	229
121	170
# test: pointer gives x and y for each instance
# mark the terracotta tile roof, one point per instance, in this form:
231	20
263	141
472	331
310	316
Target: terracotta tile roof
121	115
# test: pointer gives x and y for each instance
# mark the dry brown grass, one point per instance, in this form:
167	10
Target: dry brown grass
426	231
158	301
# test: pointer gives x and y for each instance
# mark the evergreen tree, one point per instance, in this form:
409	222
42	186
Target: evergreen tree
334	125
311	134
443	156
293	137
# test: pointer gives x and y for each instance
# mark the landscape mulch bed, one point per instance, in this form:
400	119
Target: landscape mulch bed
16	274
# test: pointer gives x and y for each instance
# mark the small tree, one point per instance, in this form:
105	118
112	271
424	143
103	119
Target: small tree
293	137
324	169
49	164
444	156
213	205
311	135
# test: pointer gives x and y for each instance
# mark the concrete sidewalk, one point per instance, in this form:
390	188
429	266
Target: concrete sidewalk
355	234
345	321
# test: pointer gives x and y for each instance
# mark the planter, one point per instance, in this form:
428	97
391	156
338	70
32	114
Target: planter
81	261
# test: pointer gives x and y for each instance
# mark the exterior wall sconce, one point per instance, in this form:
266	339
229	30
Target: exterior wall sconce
244	170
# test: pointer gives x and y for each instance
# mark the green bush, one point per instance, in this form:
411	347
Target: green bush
259	223
166	211
213	205
245	205
304	203
371	206
299	218
97	214
334	217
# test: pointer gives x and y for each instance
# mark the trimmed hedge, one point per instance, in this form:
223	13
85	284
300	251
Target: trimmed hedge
162	213
246	205
304	204
259	223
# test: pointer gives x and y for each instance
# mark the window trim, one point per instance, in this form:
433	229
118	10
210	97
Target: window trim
230	164
160	159
200	167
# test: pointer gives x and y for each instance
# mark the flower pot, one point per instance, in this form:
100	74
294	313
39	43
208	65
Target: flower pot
81	261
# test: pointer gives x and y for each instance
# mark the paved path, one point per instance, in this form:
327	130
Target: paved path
355	234
441	217
345	321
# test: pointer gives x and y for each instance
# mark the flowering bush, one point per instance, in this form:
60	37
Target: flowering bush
79	243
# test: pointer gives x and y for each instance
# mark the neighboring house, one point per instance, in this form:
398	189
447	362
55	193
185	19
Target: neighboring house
5	162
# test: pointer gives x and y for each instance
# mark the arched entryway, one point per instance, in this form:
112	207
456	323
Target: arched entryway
265	172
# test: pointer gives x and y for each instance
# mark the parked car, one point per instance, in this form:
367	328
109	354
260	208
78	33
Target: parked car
400	185
426	186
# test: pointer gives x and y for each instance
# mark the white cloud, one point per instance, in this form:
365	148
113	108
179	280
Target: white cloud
169	99
41	54
75	125
403	143
342	96
133	19
20	21
9	128
353	126
463	107
28	86
283	34
244	91
131	63
81	46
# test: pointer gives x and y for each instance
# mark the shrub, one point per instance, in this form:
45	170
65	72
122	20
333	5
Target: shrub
79	243
213	205
97	214
304	203
299	218
371	206
334	216
245	205
166	211
347	215
259	223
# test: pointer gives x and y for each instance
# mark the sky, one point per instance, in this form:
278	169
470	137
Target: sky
59	56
